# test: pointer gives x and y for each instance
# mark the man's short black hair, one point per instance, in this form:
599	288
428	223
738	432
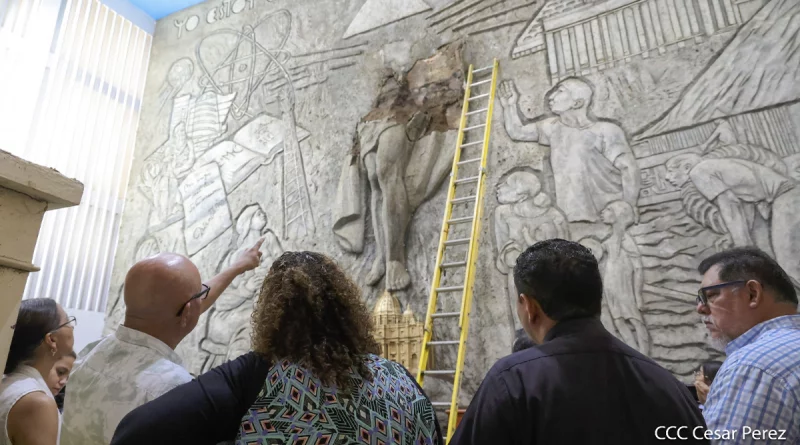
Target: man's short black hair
750	263
521	341
563	277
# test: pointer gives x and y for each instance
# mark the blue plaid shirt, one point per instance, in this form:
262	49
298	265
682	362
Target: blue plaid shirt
758	386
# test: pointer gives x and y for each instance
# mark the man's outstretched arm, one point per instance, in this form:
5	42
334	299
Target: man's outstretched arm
248	260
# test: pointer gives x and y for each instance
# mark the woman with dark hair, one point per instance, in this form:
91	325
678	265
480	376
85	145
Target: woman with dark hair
42	336
313	376
703	378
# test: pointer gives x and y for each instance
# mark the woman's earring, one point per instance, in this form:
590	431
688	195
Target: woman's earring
53	352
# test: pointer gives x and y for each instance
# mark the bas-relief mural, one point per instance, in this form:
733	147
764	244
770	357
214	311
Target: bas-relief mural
655	132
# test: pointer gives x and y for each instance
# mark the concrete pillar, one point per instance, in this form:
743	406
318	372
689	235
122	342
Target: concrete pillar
27	191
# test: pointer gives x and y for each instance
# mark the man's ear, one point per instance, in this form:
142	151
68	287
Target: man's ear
579	104
188	313
531	307
755	292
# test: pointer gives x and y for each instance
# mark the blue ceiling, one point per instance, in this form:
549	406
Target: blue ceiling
158	9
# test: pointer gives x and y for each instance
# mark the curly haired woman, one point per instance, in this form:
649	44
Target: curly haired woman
312	378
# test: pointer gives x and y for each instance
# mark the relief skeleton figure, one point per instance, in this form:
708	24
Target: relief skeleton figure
195	123
163	171
179	74
757	203
524	217
623	277
591	160
228	322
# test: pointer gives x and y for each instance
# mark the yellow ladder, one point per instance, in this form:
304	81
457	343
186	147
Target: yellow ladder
458	242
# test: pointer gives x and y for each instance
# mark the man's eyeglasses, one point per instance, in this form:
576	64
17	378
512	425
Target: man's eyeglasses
201	295
71	322
702	294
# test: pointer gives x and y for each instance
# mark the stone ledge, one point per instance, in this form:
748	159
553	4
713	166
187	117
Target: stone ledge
38	182
23	266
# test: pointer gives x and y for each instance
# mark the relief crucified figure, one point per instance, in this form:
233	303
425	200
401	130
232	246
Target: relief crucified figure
385	156
400	156
385	149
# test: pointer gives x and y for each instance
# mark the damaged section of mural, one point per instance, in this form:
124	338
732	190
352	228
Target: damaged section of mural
399	151
653	132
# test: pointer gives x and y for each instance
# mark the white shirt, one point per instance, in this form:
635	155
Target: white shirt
125	370
586	179
23	381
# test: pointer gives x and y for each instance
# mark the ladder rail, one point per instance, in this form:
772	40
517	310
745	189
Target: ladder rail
472	261
472	258
428	327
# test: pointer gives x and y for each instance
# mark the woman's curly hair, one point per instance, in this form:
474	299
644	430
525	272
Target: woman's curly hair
310	312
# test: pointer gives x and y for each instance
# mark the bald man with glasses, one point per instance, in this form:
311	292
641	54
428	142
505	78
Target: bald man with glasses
749	305
164	298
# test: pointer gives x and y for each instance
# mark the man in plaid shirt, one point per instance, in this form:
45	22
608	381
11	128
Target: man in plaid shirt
749	305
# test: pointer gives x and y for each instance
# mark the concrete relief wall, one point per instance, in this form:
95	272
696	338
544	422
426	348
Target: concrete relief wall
655	132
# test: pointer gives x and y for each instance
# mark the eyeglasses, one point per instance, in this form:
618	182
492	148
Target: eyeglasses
702	294
71	322
201	295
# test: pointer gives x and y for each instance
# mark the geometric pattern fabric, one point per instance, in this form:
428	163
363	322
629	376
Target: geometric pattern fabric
294	407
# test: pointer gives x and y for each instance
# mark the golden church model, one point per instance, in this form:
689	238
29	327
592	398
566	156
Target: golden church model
399	334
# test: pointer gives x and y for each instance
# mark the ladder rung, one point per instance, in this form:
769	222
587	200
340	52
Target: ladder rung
446	315
457	242
468	180
479	96
459	220
469	161
443	342
477	111
440	372
453	264
475	127
469	144
295	218
479	70
480	83
450	289
464	199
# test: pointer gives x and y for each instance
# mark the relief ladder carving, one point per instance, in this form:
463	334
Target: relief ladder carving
296	200
460	228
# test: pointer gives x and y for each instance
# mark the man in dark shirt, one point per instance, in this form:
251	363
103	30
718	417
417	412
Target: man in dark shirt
580	385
